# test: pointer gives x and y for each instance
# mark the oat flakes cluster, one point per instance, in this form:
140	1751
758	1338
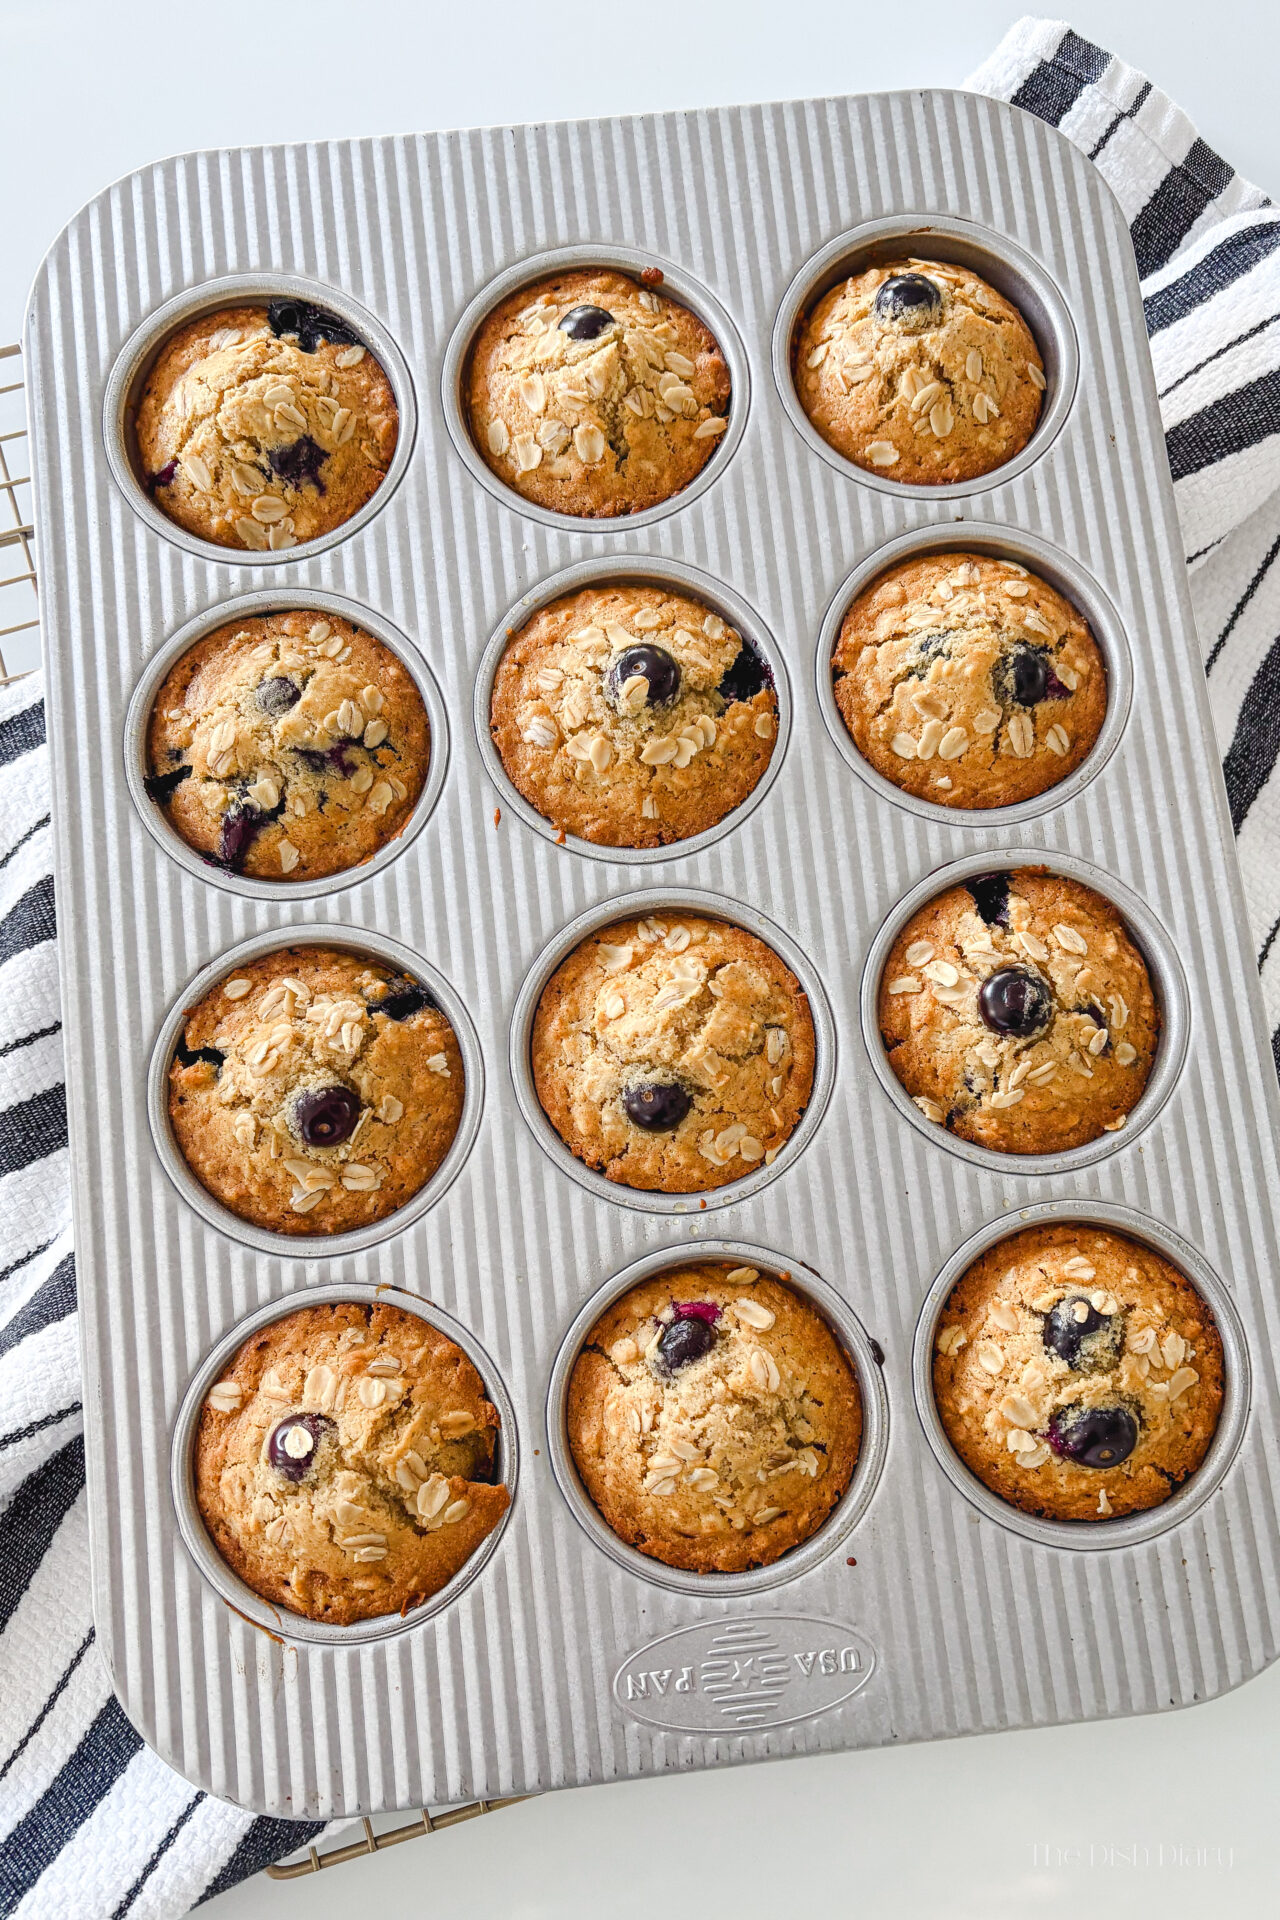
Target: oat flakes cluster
673	1054
632	716
345	1462
921	371
315	1091
287	746
260	427
1077	1373
593	395
713	1418
969	681
1017	1012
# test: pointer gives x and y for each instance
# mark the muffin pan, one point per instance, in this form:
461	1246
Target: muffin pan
917	1612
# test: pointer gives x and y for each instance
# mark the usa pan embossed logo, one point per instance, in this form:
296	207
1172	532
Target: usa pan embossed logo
736	1676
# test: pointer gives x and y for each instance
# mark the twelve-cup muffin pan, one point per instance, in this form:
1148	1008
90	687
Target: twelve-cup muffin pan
920	1609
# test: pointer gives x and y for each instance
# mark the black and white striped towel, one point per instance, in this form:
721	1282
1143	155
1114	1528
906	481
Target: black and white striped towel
92	1825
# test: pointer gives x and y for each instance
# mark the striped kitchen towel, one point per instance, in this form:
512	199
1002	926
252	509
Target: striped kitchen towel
92	1825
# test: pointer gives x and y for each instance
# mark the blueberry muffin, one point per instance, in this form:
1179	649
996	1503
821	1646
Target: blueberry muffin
315	1090
632	716
713	1418
263	426
593	395
1017	1012
920	371
287	747
344	1464
1077	1373
968	681
673	1053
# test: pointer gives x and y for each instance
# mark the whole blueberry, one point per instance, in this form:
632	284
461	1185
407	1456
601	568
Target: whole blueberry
654	665
684	1341
1087	1340
326	1116
1094	1436
909	300
586	323
294	1443
277	695
1015	1002
656	1105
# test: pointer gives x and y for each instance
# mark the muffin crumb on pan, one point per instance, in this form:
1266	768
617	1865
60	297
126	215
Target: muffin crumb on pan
968	681
713	1417
315	1090
263	426
1017	1012
287	746
592	395
673	1053
344	1462
1077	1373
921	371
632	715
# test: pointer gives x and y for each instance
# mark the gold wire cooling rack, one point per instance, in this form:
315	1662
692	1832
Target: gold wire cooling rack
17	553
19	615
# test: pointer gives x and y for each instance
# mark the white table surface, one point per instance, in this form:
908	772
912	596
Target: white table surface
1167	1817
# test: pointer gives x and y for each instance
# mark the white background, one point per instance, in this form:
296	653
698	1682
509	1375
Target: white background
1171	1817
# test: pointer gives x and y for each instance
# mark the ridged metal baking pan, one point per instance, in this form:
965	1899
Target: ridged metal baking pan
935	1613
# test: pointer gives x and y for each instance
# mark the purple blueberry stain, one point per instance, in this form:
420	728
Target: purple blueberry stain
299	463
696	1310
164	478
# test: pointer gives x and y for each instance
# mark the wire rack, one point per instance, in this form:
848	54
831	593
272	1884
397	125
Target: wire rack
19	614
18	607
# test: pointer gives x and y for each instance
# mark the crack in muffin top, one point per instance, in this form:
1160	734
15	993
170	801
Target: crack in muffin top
968	681
1017	1012
632	716
919	370
673	1054
595	396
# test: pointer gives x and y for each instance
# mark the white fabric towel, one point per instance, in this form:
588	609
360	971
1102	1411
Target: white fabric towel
92	1825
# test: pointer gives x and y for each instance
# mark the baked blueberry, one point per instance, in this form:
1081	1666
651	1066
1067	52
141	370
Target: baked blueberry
312	326
991	897
277	695
654	665
165	477
406	997
326	1116
910	301
656	1105
748	676
299	463
189	1055
240	827
685	1340
1087	1340
1025	677
586	323
294	1443
161	787
1015	1002
1093	1436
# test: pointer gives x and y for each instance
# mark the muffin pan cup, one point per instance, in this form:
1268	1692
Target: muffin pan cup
1087	1536
650	570
1167	980
843	1517
129	374
314	1246
249	606
919	1614
296	1628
